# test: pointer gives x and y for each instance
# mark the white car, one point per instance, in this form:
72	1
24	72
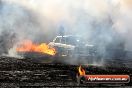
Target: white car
72	46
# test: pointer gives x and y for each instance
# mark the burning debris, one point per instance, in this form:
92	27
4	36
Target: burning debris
29	46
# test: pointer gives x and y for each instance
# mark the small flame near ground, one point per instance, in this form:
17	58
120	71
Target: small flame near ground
29	46
81	71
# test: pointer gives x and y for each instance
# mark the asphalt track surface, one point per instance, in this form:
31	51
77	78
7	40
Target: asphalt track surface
16	72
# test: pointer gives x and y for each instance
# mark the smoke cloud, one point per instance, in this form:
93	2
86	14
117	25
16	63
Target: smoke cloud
103	22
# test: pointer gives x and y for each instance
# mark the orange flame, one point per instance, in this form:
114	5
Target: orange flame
29	46
81	71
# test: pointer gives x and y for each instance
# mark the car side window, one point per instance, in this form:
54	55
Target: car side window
57	40
71	41
63	40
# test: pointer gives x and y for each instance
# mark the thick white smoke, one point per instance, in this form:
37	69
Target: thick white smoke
82	16
100	21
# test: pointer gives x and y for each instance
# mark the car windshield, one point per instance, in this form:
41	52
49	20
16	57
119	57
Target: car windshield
57	40
74	40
